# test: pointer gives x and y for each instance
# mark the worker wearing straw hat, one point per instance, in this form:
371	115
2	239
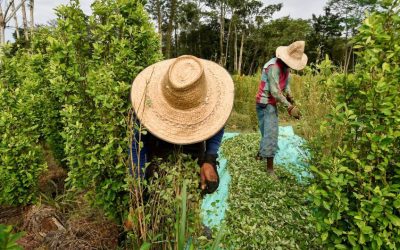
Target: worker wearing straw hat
184	104
274	88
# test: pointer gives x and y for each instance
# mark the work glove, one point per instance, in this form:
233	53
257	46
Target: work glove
209	179
294	111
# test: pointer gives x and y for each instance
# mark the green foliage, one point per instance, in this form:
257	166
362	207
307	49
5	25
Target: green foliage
356	189
279	32
92	63
158	213
21	159
326	38
70	90
244	115
8	240
313	95
264	213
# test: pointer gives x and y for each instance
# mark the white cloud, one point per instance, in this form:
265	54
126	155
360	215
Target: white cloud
298	8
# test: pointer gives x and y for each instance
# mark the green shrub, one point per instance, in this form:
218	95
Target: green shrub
155	216
71	91
21	159
8	239
356	191
92	62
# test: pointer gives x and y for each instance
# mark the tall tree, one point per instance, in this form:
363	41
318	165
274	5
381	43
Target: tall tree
31	10
15	19
25	21
170	27
262	43
219	7
156	10
7	12
246	12
326	36
351	12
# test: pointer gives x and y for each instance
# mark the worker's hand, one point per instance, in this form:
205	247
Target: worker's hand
290	99
294	111
208	178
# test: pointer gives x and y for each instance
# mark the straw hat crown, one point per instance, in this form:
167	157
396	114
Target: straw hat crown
293	55
185	87
183	100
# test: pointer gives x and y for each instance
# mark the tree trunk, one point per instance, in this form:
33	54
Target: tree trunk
250	72
235	55
2	27
241	55
15	20
159	21
227	42
24	21
222	30
176	40
170	28
2	35
31	6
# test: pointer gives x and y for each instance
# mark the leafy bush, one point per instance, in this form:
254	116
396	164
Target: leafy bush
21	159
356	192
157	203
92	61
71	90
8	239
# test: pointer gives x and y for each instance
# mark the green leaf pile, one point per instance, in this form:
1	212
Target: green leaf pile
264	213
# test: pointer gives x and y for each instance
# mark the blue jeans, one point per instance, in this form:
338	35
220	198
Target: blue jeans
268	125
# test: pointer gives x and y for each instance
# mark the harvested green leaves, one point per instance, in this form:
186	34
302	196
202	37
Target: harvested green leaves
264	213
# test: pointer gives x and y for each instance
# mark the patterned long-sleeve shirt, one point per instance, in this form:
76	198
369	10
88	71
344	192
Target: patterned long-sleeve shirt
274	82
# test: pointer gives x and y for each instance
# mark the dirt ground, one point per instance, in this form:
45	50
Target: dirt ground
50	225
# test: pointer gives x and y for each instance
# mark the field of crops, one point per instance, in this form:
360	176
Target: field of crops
66	130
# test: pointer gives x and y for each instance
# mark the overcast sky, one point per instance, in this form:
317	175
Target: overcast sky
44	9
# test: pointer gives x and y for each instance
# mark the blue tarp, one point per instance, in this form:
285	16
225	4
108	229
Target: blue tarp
291	155
214	205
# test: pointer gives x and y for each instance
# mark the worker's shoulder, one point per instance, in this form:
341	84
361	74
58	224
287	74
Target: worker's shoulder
272	69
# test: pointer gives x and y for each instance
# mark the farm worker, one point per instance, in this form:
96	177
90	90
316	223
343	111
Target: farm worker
274	88
184	104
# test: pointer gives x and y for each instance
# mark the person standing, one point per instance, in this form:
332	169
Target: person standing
273	89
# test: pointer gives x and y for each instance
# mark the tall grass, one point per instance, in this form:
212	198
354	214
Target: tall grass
244	117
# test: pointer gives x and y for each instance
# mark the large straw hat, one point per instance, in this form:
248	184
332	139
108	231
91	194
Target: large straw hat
293	55
183	100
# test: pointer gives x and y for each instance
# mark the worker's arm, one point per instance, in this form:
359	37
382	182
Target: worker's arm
213	144
273	81
209	179
288	93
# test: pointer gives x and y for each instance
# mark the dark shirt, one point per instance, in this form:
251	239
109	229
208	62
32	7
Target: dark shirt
154	147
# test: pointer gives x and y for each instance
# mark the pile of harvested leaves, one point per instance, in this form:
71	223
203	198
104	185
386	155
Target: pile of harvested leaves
264	213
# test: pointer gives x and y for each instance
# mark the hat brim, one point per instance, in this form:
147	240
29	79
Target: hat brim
281	52
182	126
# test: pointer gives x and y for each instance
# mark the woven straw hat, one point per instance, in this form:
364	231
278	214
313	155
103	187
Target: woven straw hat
183	100
293	55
